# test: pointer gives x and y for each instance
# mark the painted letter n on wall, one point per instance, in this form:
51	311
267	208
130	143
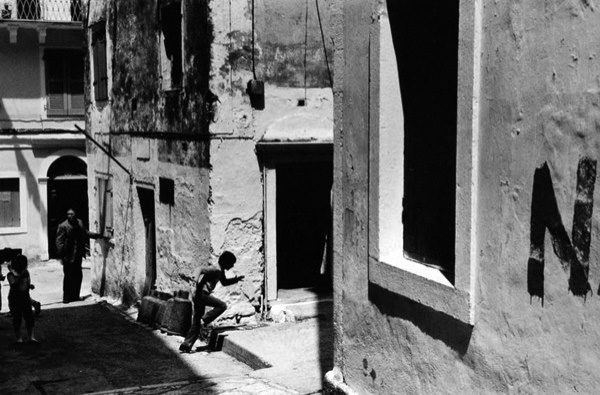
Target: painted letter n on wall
573	253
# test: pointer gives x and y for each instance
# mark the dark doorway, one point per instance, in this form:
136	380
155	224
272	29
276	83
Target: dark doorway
67	188
146	197
304	225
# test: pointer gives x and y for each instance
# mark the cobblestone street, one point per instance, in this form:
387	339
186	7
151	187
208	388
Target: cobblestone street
91	346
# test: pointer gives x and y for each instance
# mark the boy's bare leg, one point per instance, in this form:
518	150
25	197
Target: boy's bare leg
32	338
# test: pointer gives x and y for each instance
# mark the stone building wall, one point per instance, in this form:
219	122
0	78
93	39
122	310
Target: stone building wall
531	287
208	150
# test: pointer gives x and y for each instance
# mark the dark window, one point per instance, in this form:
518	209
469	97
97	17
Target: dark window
10	204
64	82
99	58
170	24
425	36
167	191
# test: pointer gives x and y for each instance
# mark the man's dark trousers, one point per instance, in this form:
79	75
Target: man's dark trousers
72	280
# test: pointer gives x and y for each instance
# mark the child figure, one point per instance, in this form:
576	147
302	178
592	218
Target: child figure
1	279
19	301
207	279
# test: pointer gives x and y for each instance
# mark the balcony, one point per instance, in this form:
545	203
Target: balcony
41	10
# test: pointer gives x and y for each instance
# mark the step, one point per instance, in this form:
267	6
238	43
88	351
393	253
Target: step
302	310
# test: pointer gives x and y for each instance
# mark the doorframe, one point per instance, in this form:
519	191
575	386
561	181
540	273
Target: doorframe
43	190
151	188
273	154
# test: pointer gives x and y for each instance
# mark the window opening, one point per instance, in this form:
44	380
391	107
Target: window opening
10	206
64	82
425	38
171	52
100	67
166	191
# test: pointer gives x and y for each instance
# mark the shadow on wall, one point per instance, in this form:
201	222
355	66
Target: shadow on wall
454	333
33	188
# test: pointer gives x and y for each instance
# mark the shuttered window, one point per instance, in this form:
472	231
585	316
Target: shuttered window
171	45
64	82
105	205
10	210
100	68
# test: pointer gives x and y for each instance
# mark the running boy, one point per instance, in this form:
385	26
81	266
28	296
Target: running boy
206	281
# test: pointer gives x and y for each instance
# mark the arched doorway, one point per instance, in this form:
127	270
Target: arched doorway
67	188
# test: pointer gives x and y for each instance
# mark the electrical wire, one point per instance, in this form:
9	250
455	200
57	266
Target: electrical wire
305	46
323	40
253	63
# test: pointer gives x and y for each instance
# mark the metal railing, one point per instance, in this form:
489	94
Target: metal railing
42	10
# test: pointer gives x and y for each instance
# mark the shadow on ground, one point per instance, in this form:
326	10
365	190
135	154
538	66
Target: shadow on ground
84	349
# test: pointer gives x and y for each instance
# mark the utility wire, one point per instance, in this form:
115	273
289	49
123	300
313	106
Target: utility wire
305	46
324	47
253	63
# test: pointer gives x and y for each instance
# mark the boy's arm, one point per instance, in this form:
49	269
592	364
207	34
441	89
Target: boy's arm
12	278
229	281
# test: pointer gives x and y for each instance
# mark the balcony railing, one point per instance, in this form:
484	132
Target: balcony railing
42	10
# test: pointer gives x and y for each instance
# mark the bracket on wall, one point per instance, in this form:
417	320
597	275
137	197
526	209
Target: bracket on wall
131	178
41	34
12	31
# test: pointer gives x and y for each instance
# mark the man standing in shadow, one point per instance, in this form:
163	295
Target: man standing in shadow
71	238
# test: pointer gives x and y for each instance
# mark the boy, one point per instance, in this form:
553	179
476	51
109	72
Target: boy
19	300
205	285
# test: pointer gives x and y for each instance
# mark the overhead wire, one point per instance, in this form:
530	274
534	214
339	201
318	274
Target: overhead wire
305	46
323	40
253	61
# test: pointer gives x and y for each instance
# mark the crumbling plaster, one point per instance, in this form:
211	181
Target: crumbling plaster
236	176
136	106
218	178
539	104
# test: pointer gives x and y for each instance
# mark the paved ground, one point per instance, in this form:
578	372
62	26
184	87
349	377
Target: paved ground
294	354
92	346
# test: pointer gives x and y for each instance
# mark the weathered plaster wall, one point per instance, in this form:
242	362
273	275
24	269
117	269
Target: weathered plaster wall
153	134
539	105
235	178
218	179
287	33
337	35
21	89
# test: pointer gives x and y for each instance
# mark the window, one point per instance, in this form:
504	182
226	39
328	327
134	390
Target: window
170	44
12	204
10	212
105	205
167	191
428	33
64	82
99	62
424	134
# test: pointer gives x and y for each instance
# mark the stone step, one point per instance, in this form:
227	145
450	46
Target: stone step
282	311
